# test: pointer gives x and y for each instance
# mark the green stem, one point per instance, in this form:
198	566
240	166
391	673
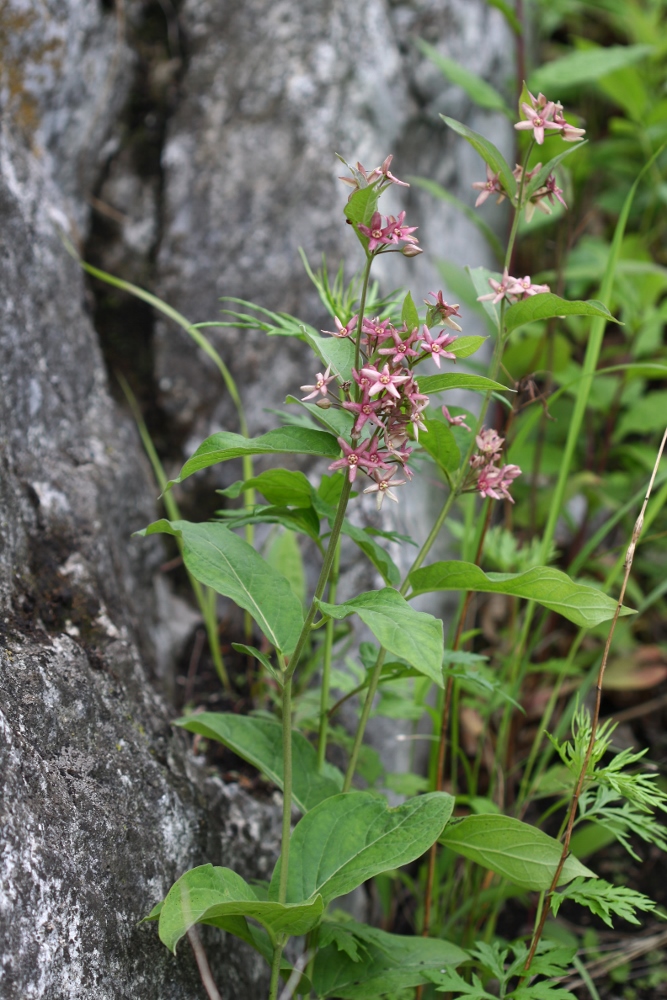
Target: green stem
287	788
517	215
275	969
326	664
362	307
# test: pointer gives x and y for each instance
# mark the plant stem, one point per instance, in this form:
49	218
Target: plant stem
287	789
275	969
326	663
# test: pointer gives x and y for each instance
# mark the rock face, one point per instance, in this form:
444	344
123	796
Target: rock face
204	134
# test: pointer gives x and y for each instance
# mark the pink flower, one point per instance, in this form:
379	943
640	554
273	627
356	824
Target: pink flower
365	410
525	288
384	170
495	483
376	459
454	421
488	187
402	348
321	385
384	380
568	132
538	120
399	232
500	289
375	330
489	442
382	484
443	311
435	345
553	191
353	457
378	235
343	331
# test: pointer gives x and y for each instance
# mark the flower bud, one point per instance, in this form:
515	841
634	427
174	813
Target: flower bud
411	250
323	403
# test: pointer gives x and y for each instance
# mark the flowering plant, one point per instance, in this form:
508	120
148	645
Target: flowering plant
369	414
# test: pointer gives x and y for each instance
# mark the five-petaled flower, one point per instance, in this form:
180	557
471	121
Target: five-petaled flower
384	380
354	456
488	187
435	346
321	385
459	421
343	331
382	484
539	119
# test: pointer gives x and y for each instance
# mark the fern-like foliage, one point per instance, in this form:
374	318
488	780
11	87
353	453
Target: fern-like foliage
604	900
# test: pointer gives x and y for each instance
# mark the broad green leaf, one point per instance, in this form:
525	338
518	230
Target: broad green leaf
409	313
284	555
440	443
585	66
545	305
364	963
300	519
206	894
463	347
471	214
282	441
339	422
380	558
336	352
585	606
413	635
280	486
517	851
351	837
487	151
361	205
478	90
451	380
220	559
259	741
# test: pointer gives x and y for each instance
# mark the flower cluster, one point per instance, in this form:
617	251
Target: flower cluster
383	394
487	477
512	289
542	114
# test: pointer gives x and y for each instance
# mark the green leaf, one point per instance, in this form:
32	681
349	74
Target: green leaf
241	647
545	305
282	441
451	380
380	558
259	741
463	347
440	444
336	352
452	982
413	635
517	851
409	313
539	179
206	894
300	519
471	214
280	486
339	422
351	837
363	963
220	559
585	66
284	555
550	587
479	277
361	205
478	90
604	900
487	151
